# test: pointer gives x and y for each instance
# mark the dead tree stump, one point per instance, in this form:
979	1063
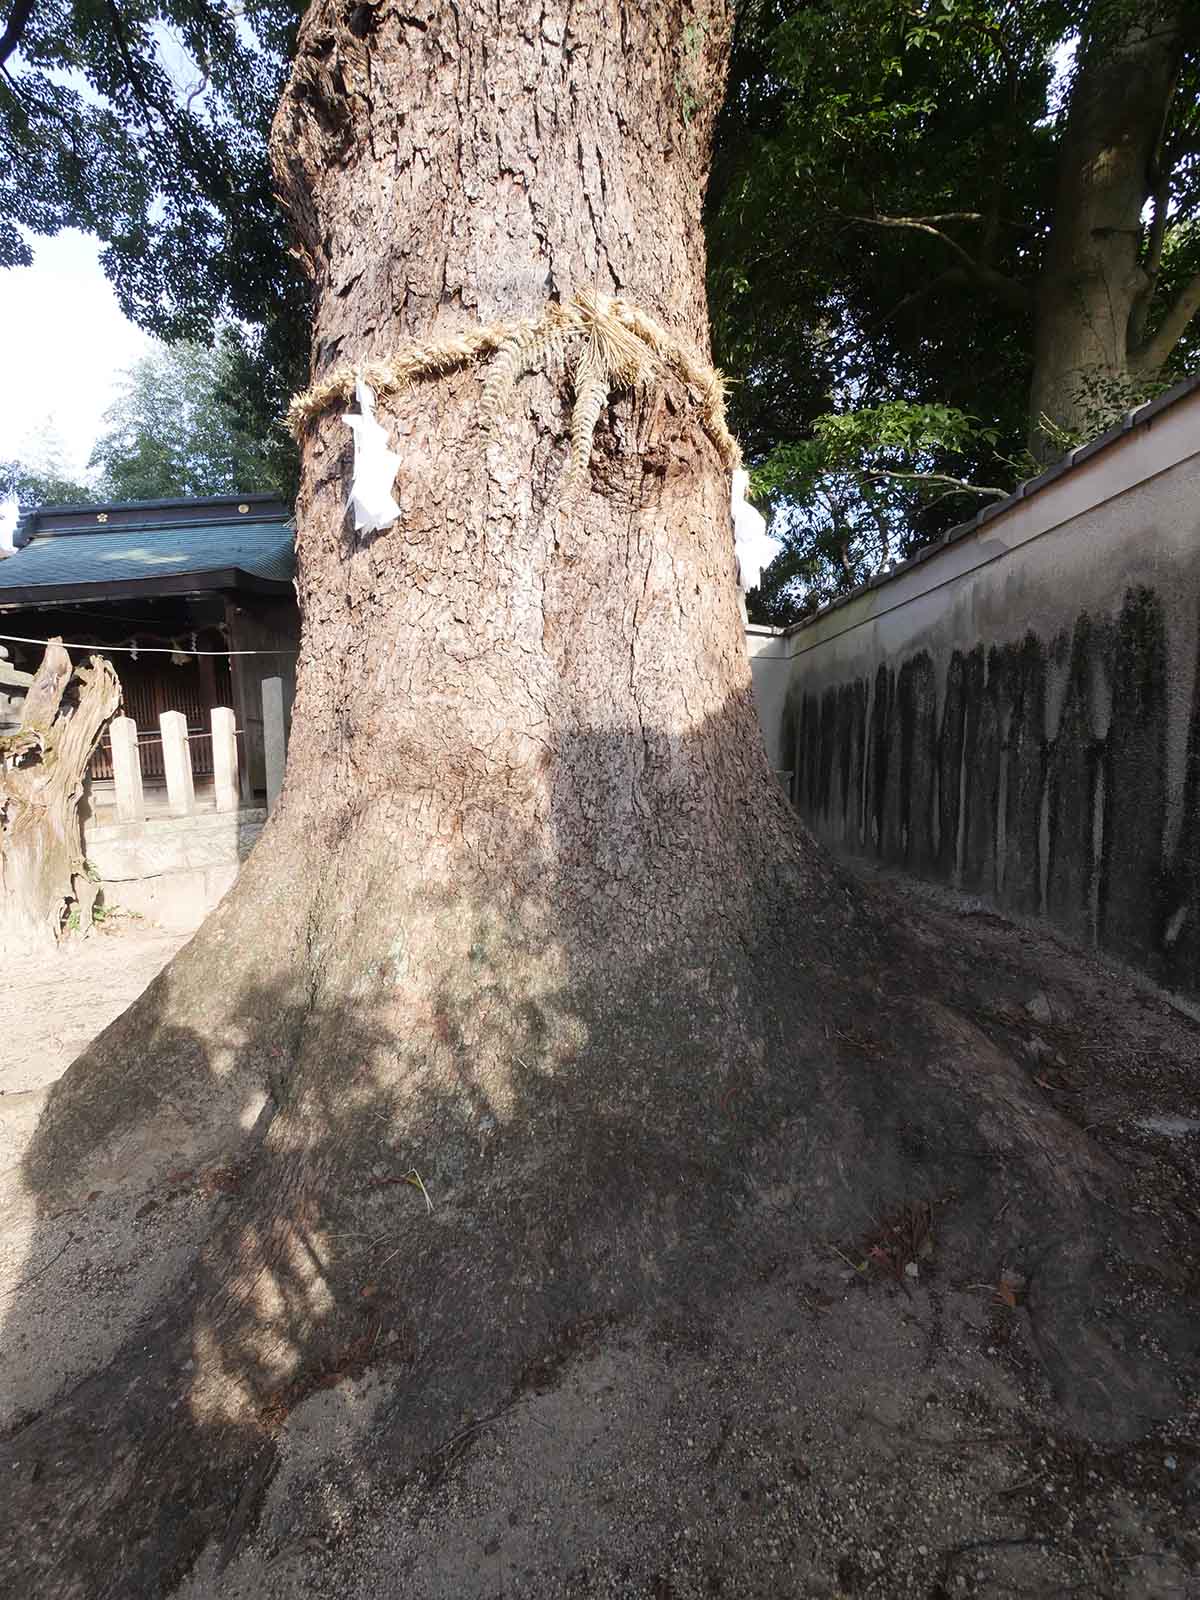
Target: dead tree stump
42	765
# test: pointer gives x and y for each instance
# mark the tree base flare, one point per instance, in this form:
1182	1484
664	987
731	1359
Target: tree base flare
609	1147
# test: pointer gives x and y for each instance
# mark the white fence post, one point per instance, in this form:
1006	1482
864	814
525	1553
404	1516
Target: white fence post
177	763
225	761
127	770
274	737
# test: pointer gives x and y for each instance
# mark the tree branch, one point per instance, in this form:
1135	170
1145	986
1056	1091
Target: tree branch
131	72
1152	353
11	36
935	477
885	545
1161	169
932	216
1014	294
920	225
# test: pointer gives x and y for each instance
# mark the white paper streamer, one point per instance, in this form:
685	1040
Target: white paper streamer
375	466
752	545
10	512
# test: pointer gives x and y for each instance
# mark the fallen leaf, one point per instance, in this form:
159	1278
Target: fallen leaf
1008	1291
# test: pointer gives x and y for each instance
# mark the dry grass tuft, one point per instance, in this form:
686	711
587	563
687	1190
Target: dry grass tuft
901	1239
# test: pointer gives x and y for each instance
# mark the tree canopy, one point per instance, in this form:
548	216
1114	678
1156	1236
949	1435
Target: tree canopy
889	183
144	123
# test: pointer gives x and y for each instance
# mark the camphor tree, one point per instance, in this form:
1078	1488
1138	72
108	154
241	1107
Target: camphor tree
532	920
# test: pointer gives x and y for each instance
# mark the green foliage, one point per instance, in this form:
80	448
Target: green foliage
1103	400
176	430
856	109
882	197
100	912
897	426
254	383
190	420
144	122
865	488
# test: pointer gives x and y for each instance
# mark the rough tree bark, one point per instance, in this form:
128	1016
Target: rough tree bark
531	917
1100	271
42	766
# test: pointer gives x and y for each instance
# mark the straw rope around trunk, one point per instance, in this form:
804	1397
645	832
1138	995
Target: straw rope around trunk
610	346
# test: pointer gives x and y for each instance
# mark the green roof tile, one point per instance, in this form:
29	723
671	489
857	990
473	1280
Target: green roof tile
58	560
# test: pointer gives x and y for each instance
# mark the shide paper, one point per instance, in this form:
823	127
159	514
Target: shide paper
375	466
751	543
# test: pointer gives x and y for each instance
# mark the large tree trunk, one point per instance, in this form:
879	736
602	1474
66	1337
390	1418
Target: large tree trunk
531	921
1094	281
42	765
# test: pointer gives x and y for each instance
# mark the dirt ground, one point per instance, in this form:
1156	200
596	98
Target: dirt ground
59	1313
846	1430
51	1008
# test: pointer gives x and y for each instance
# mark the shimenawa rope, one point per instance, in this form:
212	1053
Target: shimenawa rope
611	345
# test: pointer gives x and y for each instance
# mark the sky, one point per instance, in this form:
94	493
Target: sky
60	316
65	344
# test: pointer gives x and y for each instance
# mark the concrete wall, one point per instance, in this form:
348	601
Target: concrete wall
768	650
171	870
1017	710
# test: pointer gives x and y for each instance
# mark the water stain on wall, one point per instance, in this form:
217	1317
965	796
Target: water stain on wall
1032	772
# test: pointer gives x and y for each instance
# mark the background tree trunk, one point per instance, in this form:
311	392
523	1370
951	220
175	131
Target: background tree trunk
42	767
1093	280
531	918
